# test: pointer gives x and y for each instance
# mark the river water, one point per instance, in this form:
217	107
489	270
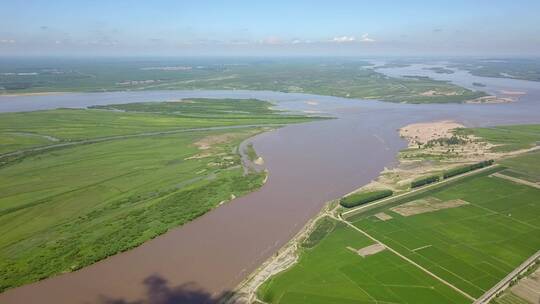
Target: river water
308	165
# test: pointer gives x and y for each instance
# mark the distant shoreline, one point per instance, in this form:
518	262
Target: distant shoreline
33	94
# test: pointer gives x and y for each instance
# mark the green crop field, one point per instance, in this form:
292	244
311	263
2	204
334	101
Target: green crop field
483	229
329	272
472	246
65	208
525	166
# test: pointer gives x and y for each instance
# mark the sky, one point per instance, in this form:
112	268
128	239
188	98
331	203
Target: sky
265	28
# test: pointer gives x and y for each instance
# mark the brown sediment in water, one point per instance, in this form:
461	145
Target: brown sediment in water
308	165
221	248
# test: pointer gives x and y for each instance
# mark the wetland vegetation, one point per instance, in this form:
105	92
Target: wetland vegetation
62	209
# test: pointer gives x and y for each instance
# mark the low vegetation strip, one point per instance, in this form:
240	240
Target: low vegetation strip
362	198
465	169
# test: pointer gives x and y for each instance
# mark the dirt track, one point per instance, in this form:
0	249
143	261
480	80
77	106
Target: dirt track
516	180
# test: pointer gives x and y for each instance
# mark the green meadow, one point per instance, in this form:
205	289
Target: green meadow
65	208
507	138
29	129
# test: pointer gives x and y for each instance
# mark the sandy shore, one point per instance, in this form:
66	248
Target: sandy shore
492	99
33	94
421	133
286	257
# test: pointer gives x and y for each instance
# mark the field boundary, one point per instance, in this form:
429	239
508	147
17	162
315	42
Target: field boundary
127	136
516	180
359	209
407	259
505	282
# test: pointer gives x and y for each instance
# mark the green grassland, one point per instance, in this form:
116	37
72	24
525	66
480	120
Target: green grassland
522	68
63	209
472	246
343	78
507	138
29	129
329	272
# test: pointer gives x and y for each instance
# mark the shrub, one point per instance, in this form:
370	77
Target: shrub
425	180
361	198
465	169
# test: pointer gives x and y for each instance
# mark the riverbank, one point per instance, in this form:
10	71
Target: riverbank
438	146
283	259
417	136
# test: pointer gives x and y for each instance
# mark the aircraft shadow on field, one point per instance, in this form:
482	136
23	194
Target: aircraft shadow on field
158	291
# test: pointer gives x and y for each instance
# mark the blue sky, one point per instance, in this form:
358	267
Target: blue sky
332	27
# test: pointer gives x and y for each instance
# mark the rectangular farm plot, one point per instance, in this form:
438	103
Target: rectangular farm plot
428	204
472	246
333	273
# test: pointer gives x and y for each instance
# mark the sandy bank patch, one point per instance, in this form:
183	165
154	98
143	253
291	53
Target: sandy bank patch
529	288
369	250
491	99
208	141
383	216
429	204
259	161
424	132
514	93
312	103
438	93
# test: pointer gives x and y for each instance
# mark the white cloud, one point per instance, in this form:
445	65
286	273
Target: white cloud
10	41
300	41
365	38
342	39
272	40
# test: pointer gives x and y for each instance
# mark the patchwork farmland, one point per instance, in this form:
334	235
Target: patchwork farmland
450	244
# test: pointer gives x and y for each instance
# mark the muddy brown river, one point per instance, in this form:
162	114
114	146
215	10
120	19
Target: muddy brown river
308	165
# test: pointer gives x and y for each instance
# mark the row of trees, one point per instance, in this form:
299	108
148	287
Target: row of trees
465	169
425	180
361	198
